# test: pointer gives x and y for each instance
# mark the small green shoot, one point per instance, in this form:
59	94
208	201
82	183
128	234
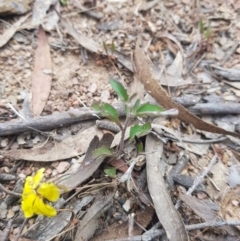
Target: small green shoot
207	33
63	2
201	26
110	171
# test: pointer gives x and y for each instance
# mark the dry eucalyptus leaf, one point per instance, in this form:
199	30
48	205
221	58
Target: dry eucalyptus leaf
41	82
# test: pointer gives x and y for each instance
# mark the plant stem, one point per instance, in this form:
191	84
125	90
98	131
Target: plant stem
120	147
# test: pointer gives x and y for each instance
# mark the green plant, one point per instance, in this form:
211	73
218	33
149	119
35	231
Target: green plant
63	2
206	32
131	112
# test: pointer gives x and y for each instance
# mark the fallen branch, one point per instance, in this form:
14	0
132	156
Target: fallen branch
215	109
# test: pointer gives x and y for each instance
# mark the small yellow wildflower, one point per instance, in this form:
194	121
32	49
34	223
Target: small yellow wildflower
34	192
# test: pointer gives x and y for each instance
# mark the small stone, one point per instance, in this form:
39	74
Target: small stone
127	205
219	55
105	95
10	214
238	50
223	41
4	142
48	171
16	47
16	208
16	231
235	203
62	167
22	175
75	81
92	88
54	172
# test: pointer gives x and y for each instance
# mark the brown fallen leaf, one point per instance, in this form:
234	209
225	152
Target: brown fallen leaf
41	77
157	92
166	212
73	146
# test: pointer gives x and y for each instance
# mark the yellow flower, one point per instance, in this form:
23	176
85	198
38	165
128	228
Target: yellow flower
34	192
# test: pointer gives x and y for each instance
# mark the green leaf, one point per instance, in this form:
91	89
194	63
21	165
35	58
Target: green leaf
106	110
110	112
110	171
139	130
148	109
105	47
201	26
207	33
113	48
132	96
96	106
102	151
63	2
133	109
120	90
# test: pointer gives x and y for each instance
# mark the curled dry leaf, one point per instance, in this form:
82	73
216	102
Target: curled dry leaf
156	91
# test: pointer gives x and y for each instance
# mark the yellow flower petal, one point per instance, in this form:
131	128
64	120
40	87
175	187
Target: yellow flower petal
27	205
28	187
41	208
49	191
38	177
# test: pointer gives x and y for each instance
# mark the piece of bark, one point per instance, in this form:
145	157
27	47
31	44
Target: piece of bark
166	212
230	74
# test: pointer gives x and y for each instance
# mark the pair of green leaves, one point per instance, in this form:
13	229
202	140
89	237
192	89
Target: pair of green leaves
108	111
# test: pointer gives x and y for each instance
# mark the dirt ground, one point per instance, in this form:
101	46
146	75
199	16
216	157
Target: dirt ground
56	60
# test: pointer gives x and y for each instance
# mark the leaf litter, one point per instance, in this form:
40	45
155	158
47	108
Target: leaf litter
174	47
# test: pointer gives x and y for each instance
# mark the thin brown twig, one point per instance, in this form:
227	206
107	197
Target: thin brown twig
9	192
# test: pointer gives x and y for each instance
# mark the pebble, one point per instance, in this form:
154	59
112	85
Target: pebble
105	95
75	81
16	208
62	167
10	214
4	142
92	88
127	205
